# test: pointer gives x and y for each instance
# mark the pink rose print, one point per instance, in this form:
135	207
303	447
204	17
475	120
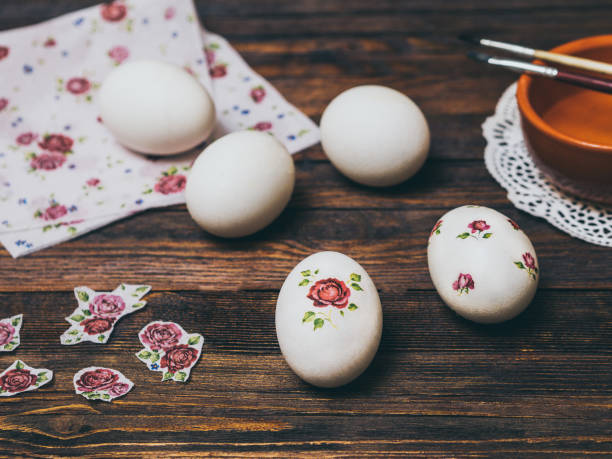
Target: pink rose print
477	226
263	126
258	93
26	138
47	161
329	292
119	54
179	357
107	305
50	43
161	336
113	12
169	13
528	264
78	85
218	71
4	51
3	103
513	223
56	142
98	379
118	389
210	55
171	184
93	182
97	325
55	211
7	331
17	380
464	283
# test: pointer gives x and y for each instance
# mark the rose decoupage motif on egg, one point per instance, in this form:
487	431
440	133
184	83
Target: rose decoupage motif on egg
482	265
328	319
329	293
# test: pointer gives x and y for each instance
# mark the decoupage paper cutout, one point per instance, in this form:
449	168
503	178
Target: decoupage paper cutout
20	377
99	383
170	349
98	312
9	333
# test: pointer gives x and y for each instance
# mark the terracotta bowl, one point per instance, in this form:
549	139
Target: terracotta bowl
567	129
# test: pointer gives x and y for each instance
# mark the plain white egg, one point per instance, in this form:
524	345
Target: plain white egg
375	135
240	183
328	319
482	265
156	108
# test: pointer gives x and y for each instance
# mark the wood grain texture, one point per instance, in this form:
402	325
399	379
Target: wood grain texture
440	386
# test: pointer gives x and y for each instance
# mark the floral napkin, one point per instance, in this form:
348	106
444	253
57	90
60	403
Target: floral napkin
61	172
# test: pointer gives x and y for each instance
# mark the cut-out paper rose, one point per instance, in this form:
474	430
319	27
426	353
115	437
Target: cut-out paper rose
258	93
78	85
161	335
479	227
98	383
528	264
20	377
9	333
113	12
464	283
47	161
170	349
58	143
328	292
97	313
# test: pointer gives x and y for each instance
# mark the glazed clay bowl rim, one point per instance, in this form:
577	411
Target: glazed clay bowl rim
527	110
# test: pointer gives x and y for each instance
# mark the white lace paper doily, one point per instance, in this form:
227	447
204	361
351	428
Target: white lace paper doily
510	163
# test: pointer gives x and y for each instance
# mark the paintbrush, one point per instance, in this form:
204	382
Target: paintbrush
597	84
564	59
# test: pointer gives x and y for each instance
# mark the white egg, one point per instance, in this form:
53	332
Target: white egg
328	319
375	135
156	108
240	183
482	265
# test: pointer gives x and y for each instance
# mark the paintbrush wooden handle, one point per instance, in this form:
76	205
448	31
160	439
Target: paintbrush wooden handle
585	81
576	62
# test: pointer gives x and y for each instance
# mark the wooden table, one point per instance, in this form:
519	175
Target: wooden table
539	385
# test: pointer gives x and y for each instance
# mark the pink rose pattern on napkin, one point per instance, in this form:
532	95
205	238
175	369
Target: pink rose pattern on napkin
9	333
48	155
98	383
20	377
98	312
170	349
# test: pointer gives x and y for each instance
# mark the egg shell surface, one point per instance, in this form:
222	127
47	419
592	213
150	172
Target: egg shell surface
375	135
240	183
482	264
156	108
328	319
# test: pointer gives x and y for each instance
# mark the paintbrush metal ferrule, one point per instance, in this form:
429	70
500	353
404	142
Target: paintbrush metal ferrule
524	67
515	49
